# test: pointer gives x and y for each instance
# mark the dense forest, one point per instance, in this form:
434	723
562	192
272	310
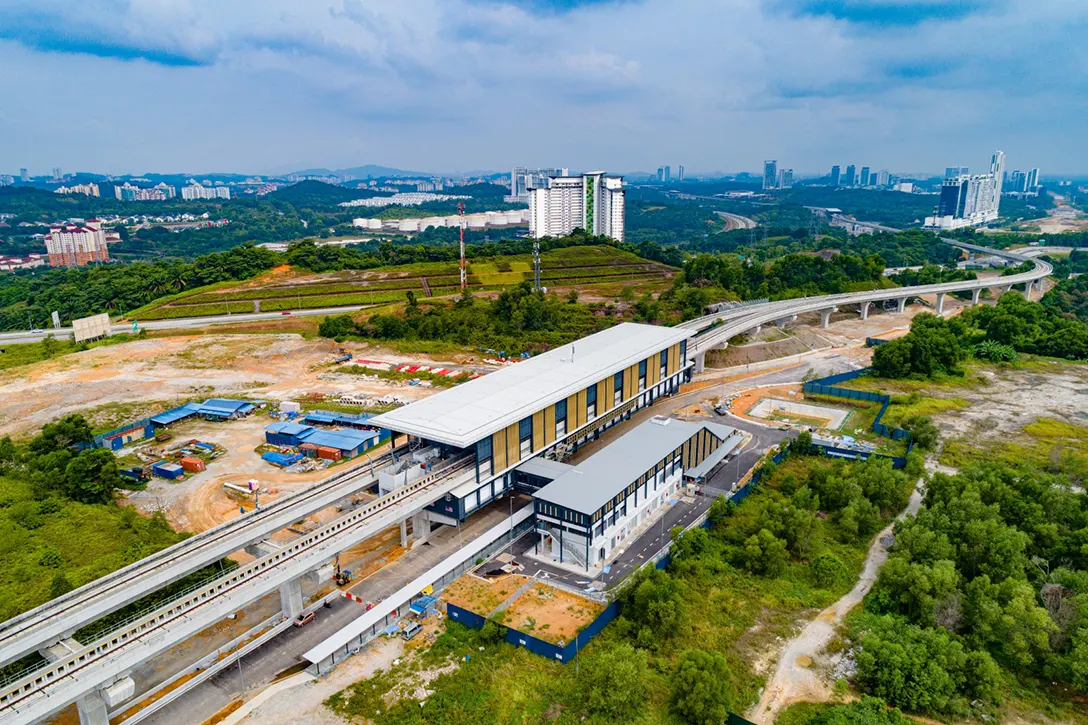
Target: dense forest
937	346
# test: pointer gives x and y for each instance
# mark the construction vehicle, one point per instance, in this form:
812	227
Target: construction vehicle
342	576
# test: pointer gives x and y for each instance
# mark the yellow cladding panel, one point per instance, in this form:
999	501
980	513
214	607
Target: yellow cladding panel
580	407
498	450
513	452
538	430
604	396
629	381
653	370
674	359
549	424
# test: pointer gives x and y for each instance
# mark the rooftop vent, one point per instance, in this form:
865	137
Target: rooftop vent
661	419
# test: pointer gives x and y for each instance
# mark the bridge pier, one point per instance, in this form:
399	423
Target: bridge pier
782	322
1027	290
700	362
901	305
863	308
421	527
825	316
291	598
92	710
940	303
1005	288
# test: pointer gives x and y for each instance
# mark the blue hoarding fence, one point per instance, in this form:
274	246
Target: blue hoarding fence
564	653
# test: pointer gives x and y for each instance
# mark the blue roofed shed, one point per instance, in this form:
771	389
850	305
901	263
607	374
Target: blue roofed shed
287	434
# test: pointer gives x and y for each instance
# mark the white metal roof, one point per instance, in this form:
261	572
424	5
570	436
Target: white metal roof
596	480
470	412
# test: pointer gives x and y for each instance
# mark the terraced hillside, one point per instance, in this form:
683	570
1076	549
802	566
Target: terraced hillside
601	270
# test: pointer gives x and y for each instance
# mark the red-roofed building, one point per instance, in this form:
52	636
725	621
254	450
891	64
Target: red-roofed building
75	245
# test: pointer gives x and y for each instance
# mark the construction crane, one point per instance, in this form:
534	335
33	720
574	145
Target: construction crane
461	213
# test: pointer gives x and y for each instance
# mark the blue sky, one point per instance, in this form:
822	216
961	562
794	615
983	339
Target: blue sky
267	86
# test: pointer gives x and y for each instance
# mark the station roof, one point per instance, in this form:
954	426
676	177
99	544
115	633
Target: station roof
470	412
596	480
544	468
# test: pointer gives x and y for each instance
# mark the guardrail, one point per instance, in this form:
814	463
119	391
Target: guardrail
179	609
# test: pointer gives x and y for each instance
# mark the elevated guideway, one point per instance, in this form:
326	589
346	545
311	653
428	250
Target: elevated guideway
716	329
87	670
61	617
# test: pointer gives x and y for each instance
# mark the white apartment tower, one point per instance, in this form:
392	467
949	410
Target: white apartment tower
593	201
969	200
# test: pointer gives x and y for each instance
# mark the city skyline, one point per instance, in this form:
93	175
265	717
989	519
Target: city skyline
282	85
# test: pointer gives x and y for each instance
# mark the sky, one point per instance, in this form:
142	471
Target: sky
270	86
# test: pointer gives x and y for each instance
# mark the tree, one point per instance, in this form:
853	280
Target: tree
655	603
616	682
336	327
69	431
828	570
91	477
766	553
49	346
572	297
702	688
60	585
921	428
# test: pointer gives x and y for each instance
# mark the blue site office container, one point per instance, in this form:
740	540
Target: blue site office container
165	469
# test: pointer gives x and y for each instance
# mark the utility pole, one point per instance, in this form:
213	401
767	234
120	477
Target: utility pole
536	264
461	213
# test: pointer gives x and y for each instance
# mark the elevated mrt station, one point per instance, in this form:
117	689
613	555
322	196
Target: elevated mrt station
554	402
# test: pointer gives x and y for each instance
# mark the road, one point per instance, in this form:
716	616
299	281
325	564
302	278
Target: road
736	221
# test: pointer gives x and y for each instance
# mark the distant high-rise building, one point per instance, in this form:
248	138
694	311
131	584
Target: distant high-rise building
1017	181
128	192
57	175
970	199
785	178
524	180
593	201
770	174
851	178
668	174
86	189
680	173
24	175
1033	180
194	190
661	174
883	178
951	172
864	175
836	175
74	245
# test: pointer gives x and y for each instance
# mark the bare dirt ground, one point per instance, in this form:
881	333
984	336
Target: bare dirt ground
551	614
129	380
1063	218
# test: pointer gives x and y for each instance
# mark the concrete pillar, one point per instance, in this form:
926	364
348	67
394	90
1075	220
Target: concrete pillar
1027	290
92	710
863	308
291	598
783	321
421	527
758	328
901	305
1005	288
700	362
404	533
975	294
825	316
940	303
256	305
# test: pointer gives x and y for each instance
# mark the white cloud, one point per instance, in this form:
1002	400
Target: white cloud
448	84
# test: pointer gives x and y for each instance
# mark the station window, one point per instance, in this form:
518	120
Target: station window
560	419
664	365
591	402
617	389
683	352
525	436
642	376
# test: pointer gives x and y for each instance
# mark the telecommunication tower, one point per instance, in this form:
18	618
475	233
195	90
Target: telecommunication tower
461	213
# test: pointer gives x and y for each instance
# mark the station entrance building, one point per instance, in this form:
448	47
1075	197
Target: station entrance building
559	399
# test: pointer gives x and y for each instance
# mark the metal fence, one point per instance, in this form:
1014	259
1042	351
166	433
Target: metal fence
564	653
